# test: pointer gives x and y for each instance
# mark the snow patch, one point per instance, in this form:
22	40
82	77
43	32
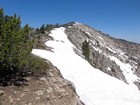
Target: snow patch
97	49
69	26
127	70
111	50
89	34
100	38
121	53
77	23
109	69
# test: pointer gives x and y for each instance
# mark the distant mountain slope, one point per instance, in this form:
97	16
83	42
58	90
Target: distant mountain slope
92	85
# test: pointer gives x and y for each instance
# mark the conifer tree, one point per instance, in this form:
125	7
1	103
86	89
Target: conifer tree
42	29
15	43
86	49
49	27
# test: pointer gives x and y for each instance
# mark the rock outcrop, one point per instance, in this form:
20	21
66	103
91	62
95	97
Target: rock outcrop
50	89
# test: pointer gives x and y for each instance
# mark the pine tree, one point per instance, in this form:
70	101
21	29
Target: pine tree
86	49
42	29
37	31
49	27
15	43
57	25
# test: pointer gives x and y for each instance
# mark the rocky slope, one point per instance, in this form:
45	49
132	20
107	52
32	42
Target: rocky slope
116	57
51	89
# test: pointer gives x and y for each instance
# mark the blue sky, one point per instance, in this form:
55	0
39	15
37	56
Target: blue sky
119	18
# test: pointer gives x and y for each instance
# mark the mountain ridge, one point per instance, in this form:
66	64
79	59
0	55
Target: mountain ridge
92	85
100	31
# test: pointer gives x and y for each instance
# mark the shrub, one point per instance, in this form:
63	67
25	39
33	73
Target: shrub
37	65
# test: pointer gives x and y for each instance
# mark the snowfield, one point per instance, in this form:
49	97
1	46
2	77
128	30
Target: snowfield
93	86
